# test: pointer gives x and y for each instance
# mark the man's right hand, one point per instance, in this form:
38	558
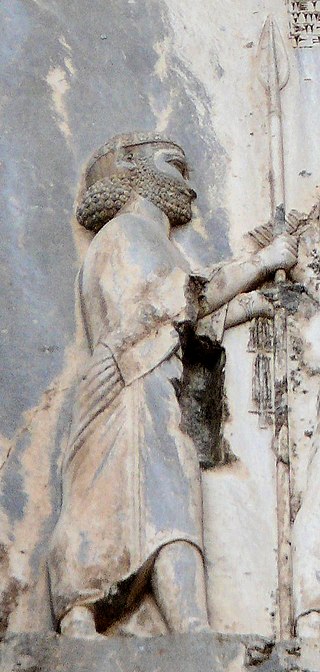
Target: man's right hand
281	253
243	275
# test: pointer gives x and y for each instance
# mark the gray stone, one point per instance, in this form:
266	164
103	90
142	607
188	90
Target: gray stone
47	652
180	653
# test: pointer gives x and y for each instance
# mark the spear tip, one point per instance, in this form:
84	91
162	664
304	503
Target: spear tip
272	49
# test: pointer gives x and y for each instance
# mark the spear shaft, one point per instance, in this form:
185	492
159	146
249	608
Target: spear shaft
274	74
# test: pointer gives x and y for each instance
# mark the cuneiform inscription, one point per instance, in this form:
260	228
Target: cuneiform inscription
305	23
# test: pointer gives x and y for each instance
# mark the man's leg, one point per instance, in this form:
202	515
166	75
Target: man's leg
178	583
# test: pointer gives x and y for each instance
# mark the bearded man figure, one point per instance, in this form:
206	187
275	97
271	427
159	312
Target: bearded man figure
131	517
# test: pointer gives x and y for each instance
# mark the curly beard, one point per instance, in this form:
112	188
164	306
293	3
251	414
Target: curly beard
105	198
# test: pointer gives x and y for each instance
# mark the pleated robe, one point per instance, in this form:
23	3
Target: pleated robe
131	480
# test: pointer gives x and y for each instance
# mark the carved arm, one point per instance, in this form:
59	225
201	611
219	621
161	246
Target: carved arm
243	275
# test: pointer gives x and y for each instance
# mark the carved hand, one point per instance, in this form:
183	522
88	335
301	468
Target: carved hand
247	306
281	253
242	275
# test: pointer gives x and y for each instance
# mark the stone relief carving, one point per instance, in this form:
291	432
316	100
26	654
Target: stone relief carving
304	23
130	526
174	402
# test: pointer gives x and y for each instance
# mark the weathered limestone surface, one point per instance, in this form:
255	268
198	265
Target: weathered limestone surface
74	74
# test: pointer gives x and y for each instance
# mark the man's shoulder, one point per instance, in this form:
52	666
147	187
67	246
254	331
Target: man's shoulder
120	232
126	223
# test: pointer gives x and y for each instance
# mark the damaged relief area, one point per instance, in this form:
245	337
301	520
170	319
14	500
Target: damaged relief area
201	397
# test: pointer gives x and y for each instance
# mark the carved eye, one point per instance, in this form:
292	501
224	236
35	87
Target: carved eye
129	156
181	167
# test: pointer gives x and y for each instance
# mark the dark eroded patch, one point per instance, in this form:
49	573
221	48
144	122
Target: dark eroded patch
201	398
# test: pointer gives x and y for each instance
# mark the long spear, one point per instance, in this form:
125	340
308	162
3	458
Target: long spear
274	74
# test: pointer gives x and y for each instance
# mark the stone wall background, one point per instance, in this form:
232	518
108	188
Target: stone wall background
74	74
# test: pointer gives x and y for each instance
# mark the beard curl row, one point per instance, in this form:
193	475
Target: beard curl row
103	200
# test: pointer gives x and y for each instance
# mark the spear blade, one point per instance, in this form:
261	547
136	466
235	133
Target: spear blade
272	57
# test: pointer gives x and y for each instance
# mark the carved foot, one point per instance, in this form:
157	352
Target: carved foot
308	626
79	623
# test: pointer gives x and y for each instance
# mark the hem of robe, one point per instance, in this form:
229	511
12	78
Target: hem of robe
129	587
